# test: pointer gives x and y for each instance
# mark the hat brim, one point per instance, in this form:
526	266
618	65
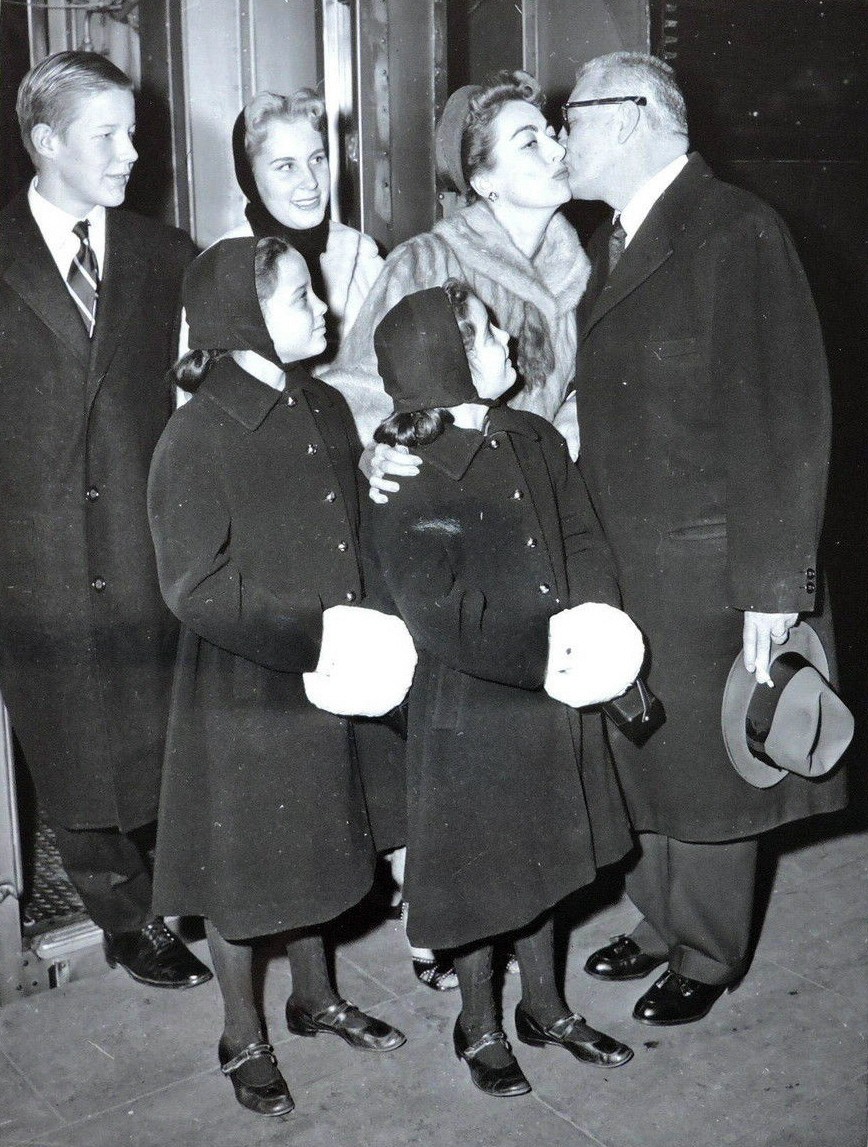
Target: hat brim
737	693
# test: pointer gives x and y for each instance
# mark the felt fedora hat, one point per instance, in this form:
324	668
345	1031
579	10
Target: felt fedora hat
800	726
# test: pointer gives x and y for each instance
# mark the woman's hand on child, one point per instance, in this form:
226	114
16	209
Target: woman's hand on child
396	460
595	654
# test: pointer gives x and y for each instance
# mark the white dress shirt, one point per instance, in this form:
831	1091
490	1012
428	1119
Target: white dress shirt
636	211
56	227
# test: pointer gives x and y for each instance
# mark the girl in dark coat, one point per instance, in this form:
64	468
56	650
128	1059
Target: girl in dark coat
483	553
254	511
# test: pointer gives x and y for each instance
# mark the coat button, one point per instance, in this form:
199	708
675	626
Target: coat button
531	543
494	444
330	496
98	584
517	495
290	401
342	547
312	448
545	588
350	595
92	494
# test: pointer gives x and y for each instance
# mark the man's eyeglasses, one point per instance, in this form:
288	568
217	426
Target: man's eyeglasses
639	101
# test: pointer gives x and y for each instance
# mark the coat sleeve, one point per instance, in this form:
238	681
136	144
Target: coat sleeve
201	582
450	619
769	368
590	565
416	264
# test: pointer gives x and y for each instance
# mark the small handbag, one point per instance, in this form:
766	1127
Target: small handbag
637	713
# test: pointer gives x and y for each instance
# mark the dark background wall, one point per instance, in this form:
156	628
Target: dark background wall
15	167
777	92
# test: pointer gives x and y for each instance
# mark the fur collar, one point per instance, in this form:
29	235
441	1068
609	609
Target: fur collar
553	281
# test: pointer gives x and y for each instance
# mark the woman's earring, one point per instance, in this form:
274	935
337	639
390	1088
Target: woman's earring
492	195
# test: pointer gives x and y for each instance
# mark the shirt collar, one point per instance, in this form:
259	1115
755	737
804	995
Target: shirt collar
55	226
263	369
636	211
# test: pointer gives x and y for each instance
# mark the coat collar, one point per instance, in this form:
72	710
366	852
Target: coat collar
456	448
32	274
553	281
656	239
250	401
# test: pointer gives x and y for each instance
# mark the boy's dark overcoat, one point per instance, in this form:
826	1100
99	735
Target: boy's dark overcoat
505	815
86	643
704	411
254	508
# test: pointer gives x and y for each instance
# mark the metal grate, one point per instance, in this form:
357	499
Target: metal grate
50	901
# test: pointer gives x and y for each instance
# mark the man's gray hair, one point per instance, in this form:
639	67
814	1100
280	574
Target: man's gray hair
641	75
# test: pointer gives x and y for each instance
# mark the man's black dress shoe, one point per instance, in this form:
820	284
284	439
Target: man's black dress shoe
622	959
502	1080
572	1033
155	956
344	1019
269	1097
676	999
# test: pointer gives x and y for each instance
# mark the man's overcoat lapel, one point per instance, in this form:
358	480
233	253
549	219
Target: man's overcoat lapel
124	275
33	275
654	242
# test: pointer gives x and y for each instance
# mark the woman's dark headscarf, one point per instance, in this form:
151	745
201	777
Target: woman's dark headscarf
310	242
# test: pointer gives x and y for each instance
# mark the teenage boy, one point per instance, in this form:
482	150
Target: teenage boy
89	300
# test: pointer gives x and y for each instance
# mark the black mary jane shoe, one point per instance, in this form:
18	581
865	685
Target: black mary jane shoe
572	1033
269	1098
344	1019
621	959
676	999
502	1082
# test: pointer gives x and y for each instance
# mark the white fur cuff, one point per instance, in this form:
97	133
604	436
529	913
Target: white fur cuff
366	664
595	653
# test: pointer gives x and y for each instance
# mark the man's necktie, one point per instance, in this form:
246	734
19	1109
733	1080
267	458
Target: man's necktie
83	277
616	245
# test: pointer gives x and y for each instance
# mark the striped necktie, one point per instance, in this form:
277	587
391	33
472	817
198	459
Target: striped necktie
83	277
616	245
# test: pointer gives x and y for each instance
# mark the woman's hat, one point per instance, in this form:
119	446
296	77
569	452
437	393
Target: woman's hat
221	302
421	356
800	726
448	135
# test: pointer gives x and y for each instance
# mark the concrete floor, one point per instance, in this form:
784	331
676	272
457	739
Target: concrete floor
781	1062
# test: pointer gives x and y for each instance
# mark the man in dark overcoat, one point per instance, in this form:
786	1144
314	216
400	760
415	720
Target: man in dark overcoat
704	412
89	301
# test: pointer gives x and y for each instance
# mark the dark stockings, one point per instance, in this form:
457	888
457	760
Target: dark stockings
540	994
311	983
535	952
479	1013
233	967
534	949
